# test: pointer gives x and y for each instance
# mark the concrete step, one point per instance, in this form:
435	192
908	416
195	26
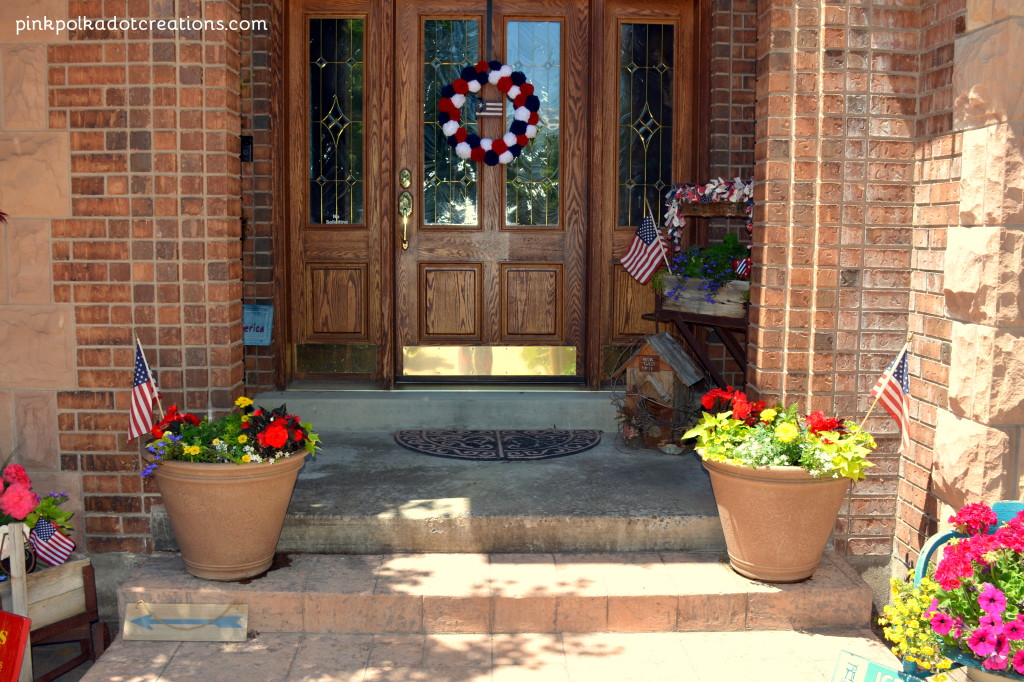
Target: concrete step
514	593
364	494
449	408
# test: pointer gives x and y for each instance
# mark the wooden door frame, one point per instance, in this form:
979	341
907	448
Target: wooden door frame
284	138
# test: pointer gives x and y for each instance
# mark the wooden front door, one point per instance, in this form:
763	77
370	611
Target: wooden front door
491	281
408	262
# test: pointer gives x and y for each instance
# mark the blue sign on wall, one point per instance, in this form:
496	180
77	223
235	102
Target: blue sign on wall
257	321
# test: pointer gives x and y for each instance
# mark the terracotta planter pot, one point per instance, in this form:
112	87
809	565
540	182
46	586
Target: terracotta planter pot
227	518
776	520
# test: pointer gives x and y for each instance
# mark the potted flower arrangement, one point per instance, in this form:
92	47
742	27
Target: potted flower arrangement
711	280
226	484
779	479
20	504
970	611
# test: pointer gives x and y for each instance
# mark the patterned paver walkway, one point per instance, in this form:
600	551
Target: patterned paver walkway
770	656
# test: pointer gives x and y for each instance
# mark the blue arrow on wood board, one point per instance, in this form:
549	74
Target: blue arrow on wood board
148	620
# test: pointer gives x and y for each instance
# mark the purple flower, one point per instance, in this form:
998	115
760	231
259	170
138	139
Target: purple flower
982	641
992	599
941	623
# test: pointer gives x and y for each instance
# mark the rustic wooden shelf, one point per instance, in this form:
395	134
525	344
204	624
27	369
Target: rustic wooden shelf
714	209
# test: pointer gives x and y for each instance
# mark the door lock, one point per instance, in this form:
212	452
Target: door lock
405	210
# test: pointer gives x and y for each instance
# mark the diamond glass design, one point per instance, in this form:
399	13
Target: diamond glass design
335	121
646	73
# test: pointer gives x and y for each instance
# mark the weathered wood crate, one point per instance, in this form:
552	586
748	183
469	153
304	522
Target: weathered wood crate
54	594
729	302
714	209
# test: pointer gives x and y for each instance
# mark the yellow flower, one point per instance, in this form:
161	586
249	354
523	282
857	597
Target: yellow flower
245	418
246	458
243	402
768	415
216	441
786	431
191	449
243	438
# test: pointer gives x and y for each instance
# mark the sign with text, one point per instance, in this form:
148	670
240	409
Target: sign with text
14	631
853	668
186	622
257	323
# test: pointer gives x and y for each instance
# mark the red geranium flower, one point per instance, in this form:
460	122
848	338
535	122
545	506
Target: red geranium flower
15	473
274	436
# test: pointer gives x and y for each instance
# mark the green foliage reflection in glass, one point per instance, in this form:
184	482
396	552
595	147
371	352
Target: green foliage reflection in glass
531	185
450	190
336	80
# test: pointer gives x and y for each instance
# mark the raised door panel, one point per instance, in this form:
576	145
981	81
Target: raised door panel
336	296
452	299
531	300
630	302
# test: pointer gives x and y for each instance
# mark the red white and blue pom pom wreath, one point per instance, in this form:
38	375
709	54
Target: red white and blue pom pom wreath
525	117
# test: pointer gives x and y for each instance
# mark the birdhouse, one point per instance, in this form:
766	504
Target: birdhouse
659	377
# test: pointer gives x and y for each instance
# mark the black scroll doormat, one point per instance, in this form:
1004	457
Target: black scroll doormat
497	445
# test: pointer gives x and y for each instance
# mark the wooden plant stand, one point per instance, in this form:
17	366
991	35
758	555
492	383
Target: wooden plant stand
722	325
62	606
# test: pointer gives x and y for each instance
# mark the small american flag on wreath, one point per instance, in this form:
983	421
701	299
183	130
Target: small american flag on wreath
52	546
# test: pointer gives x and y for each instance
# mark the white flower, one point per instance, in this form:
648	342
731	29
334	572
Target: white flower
510	139
463	150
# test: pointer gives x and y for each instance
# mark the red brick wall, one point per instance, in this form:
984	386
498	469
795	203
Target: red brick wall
258	56
836	101
937	197
152	247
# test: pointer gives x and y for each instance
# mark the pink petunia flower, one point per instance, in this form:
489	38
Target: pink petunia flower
992	620
992	599
1018	661
982	641
995	663
15	473
1014	630
941	623
18	501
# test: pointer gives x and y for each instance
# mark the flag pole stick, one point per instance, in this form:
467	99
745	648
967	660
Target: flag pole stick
151	378
906	346
664	252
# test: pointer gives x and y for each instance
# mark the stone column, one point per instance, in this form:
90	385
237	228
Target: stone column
977	439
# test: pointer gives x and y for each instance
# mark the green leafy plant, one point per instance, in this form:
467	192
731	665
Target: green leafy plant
18	502
712	265
738	431
250	435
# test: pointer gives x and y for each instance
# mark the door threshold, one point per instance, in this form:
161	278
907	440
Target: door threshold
512	386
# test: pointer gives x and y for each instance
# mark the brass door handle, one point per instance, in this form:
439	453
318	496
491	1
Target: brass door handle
405	210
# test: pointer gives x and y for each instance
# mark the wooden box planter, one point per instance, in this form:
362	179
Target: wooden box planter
729	302
62	606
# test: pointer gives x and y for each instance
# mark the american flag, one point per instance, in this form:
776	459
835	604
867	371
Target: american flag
50	544
143	393
893	392
646	252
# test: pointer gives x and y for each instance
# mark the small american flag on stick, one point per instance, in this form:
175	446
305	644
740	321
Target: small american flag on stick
143	393
50	544
646	252
892	390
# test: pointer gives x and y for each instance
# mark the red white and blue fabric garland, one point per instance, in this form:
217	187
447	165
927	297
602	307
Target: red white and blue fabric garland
525	117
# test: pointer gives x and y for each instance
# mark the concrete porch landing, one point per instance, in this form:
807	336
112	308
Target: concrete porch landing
366	495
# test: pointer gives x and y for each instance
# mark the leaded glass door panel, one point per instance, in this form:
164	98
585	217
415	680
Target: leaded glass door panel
493	278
